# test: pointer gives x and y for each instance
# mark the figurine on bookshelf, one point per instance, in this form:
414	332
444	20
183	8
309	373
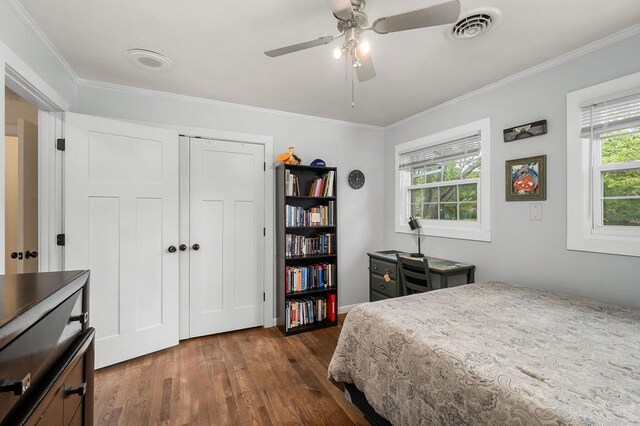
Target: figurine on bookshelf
289	157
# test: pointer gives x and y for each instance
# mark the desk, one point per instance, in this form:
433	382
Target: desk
383	263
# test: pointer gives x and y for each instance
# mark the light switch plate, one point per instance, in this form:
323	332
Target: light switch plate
535	212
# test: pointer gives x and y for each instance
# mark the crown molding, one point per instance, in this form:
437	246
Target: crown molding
18	9
185	98
574	54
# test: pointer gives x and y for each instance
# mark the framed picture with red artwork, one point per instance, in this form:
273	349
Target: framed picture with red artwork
526	179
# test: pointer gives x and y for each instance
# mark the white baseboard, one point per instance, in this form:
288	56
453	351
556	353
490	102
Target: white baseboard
347	308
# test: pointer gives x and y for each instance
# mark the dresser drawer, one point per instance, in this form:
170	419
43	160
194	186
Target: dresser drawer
25	360
380	267
389	288
375	296
73	390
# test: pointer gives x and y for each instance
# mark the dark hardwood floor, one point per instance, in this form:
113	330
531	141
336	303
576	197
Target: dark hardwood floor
254	376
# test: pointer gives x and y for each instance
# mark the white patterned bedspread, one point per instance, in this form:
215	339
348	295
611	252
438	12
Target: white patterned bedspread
493	354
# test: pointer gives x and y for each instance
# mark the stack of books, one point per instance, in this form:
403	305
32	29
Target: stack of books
308	310
302	278
299	245
323	187
314	216
291	185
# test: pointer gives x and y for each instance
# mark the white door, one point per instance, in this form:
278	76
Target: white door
226	242
121	216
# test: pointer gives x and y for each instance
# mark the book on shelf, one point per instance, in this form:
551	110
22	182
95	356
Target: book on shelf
312	277
299	245
304	311
323	186
297	216
333	310
292	187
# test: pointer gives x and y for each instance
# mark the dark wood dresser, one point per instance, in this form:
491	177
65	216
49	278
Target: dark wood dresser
46	349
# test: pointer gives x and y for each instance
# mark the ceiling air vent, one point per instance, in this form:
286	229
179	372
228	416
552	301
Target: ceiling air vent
148	59
475	23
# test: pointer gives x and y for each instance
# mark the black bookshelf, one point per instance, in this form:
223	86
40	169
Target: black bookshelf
306	175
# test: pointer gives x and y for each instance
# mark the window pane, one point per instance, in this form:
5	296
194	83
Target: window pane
416	210
468	211
622	183
471	167
468	192
417	196
434	173
449	211
430	195
621	147
418	176
430	211
448	193
452	170
624	212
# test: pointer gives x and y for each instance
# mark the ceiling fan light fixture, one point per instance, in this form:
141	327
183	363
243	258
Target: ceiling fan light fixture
364	46
338	53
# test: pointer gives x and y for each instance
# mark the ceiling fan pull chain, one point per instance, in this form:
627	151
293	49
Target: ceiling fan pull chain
353	90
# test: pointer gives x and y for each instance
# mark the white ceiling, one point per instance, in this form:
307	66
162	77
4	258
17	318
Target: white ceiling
217	48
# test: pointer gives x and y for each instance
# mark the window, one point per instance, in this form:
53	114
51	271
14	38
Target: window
443	181
604	168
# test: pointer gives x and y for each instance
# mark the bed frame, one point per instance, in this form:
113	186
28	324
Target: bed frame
359	399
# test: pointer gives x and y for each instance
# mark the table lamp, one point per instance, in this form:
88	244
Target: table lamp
415	224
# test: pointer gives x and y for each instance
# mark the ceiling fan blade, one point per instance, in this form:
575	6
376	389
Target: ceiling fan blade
299	46
341	9
440	14
366	70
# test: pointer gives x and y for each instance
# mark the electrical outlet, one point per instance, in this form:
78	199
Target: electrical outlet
535	212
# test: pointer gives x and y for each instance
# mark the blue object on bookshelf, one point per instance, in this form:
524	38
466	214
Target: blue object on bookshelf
318	163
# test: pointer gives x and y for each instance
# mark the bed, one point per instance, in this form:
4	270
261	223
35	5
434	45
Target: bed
493	353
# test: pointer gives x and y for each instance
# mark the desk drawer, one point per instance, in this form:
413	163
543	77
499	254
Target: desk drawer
381	267
389	288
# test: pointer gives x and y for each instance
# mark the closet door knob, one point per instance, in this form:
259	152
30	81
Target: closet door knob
172	249
30	254
182	247
196	247
14	255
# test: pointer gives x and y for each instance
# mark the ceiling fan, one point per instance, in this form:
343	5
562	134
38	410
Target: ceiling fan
352	22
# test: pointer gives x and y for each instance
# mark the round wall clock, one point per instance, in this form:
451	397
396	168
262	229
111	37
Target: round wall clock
356	179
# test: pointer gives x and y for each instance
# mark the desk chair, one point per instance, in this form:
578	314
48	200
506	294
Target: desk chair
414	279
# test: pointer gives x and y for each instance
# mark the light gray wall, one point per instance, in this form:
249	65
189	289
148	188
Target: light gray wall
531	253
346	146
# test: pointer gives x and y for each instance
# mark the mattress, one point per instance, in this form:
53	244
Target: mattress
493	353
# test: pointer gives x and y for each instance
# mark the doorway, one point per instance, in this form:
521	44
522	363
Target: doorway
21	185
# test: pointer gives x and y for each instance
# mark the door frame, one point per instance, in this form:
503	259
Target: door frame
269	216
20	77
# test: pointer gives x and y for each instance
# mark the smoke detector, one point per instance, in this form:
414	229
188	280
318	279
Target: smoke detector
148	59
475	23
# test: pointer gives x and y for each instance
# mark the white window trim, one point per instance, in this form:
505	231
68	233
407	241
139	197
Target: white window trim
478	231
582	235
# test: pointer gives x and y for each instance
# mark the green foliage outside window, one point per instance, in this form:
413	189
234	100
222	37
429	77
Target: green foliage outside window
624	210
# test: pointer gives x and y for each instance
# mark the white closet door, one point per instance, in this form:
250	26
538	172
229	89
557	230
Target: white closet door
121	215
226	223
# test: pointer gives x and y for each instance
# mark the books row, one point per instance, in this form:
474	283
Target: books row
310	277
291	184
309	310
313	216
323	187
299	245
